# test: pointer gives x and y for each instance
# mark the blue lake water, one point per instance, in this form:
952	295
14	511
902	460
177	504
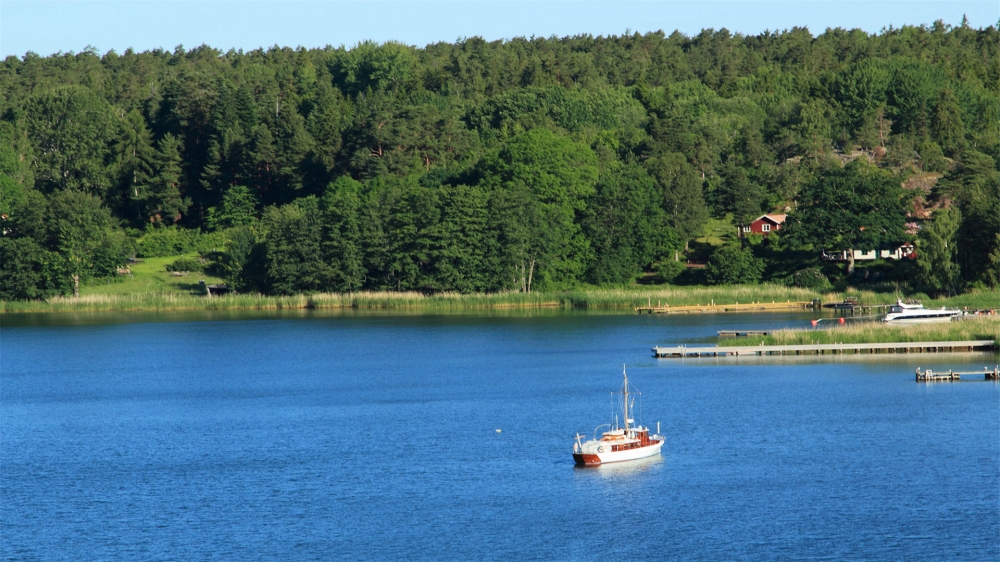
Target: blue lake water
321	436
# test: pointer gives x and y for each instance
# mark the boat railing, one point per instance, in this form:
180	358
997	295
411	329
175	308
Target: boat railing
597	429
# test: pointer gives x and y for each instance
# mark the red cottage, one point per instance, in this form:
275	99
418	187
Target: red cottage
764	224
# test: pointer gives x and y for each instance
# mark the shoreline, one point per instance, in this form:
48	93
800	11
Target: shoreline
631	300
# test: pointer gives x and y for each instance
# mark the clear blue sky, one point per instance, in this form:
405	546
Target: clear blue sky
49	26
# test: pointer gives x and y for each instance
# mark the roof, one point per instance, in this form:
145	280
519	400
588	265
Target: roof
776	219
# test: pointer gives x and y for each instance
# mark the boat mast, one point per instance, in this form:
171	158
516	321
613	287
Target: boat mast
626	398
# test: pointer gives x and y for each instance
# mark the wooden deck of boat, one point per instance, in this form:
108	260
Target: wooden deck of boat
826	348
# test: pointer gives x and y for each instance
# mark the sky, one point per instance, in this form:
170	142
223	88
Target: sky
51	26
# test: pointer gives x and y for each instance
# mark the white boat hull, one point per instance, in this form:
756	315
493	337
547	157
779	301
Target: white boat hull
618	456
901	313
919	320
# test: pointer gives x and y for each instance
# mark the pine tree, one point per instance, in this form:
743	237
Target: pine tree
134	157
165	202
949	131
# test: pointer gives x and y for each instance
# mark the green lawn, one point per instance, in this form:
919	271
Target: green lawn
716	232
150	276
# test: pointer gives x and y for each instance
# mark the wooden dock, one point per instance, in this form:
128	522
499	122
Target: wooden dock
826	348
931	376
712	308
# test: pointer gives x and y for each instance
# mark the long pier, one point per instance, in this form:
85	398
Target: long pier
930	376
826	348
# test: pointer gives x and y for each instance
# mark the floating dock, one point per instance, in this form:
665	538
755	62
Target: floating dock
931	376
826	348
712	308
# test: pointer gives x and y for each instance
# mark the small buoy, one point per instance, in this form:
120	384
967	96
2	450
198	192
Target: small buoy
841	320
814	322
499	431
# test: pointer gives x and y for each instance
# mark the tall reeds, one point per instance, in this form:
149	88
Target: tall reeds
624	298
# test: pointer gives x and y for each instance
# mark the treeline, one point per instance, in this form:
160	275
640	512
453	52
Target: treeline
483	166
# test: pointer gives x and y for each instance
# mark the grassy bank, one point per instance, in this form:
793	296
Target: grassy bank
363	300
624	299
970	328
151	276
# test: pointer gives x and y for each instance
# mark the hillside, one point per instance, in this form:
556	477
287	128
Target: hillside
529	164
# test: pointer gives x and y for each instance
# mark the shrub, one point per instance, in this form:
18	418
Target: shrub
185	264
932	158
809	278
668	271
160	242
733	265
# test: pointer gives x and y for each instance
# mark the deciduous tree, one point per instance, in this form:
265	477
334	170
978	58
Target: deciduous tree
937	252
857	206
733	264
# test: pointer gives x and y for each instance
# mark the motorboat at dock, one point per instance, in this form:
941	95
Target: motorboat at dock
901	313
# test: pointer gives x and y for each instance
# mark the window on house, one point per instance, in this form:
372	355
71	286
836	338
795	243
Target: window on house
766	227
746	229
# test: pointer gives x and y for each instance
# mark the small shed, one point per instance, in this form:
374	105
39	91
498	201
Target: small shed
213	290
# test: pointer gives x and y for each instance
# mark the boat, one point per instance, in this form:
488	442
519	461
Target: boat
617	444
901	313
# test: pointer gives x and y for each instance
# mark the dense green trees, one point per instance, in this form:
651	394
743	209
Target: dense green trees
292	257
857	206
974	185
50	246
541	181
937	252
71	128
481	166
733	264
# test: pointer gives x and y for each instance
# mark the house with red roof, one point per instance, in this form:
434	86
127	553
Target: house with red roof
764	225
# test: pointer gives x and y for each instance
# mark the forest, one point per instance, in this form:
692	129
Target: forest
531	164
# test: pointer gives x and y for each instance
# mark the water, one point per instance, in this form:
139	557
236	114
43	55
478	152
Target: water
309	436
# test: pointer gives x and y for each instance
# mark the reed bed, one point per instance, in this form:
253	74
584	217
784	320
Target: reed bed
153	302
360	300
964	329
625	298
685	296
390	300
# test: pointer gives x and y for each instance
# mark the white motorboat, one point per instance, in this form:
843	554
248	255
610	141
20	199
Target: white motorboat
911	313
619	444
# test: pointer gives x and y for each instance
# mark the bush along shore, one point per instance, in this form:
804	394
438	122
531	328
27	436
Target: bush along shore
625	299
963	329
